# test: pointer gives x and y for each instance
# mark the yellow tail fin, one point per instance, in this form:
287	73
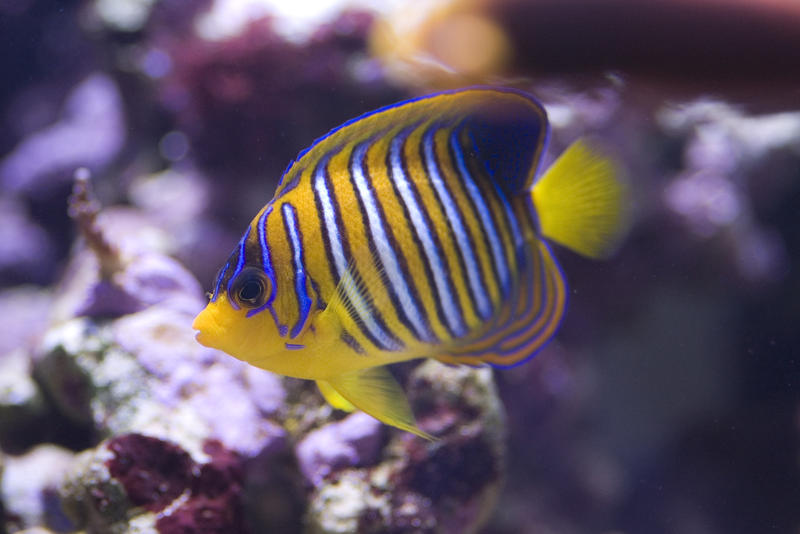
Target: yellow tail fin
581	203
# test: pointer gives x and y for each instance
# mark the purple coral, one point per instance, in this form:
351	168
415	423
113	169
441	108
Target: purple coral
118	278
26	250
89	134
351	442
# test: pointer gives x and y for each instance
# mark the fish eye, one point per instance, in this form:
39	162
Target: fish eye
249	290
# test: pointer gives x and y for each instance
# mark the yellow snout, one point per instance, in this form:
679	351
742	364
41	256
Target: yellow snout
221	326
207	326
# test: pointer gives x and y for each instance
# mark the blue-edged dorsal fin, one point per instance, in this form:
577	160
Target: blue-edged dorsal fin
505	129
507	134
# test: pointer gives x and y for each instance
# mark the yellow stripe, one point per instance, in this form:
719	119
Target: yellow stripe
533	333
531	280
456	187
401	227
394	222
444	228
544	328
340	187
285	303
495	205
439	225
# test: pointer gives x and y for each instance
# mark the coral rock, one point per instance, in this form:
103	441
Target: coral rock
352	442
22	406
30	484
89	134
26	251
136	483
446	486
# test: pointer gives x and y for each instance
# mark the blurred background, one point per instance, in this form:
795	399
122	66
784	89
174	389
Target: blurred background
670	400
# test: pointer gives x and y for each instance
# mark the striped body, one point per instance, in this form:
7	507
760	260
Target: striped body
418	221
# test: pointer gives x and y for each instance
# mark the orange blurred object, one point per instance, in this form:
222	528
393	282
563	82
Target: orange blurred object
745	50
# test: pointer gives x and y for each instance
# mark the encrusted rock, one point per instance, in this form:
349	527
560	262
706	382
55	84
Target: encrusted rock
26	251
120	271
182	420
339	506
144	373
445	486
22	406
135	483
352	442
26	313
90	133
29	488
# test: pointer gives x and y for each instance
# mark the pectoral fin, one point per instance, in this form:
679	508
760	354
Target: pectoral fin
333	397
376	392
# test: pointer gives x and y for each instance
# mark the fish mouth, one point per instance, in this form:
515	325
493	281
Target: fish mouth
204	323
198	336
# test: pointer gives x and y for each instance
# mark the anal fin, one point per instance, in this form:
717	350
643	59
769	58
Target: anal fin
376	392
333	397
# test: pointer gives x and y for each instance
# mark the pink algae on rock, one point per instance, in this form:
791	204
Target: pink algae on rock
153	472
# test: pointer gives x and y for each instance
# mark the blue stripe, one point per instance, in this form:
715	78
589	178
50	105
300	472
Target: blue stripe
387	256
266	261
296	242
239	265
509	211
329	220
438	269
266	265
459	230
483	211
502	347
364	318
556	273
364	313
220	277
547	298
530	281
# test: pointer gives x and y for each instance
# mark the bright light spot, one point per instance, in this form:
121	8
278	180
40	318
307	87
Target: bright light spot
295	20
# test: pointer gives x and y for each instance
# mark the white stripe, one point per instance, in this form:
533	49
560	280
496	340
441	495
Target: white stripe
512	219
350	288
385	252
362	309
454	215
329	217
454	319
483	210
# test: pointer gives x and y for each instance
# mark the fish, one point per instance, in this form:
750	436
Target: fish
423	229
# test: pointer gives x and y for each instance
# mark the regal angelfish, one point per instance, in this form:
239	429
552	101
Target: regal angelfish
417	230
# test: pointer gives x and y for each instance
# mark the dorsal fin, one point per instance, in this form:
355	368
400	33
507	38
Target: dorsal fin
508	137
504	128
